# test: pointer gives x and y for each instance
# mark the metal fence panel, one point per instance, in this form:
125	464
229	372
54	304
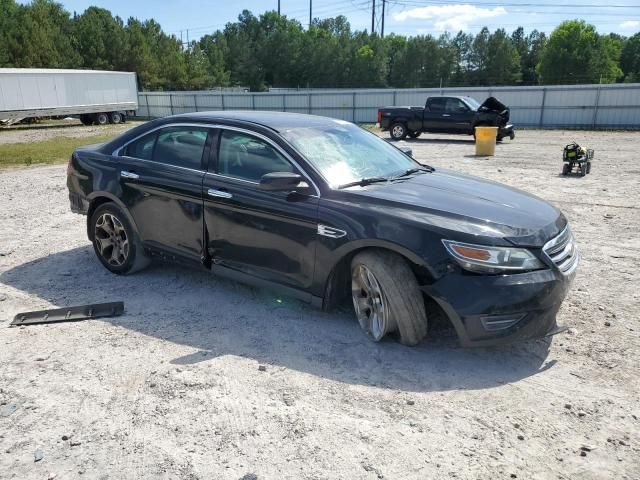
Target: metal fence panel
579	106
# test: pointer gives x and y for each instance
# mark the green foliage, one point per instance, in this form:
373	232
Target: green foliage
271	50
575	53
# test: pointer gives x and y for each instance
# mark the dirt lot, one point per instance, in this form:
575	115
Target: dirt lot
173	389
46	130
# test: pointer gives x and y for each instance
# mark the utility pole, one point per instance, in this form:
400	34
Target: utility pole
278	7
373	16
310	10
382	32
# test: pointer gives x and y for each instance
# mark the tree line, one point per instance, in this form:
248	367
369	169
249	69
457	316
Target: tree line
273	51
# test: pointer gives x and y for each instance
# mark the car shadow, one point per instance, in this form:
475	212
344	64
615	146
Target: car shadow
440	140
219	317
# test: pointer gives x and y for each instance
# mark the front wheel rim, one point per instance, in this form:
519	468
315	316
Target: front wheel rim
369	303
111	240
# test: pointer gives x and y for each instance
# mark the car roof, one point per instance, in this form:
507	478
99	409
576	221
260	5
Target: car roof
278	121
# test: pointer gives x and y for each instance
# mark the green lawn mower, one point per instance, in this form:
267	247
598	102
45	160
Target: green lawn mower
578	158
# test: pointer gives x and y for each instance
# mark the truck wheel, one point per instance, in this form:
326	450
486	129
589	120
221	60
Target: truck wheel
86	120
588	167
583	169
115	242
415	134
565	169
102	118
115	118
386	297
398	131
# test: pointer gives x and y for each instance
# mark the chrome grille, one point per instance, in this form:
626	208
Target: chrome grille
562	251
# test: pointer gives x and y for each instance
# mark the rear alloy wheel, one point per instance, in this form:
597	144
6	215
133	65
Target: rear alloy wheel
115	242
398	131
102	118
115	118
386	297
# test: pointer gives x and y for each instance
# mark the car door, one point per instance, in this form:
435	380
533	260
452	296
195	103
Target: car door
433	114
161	180
266	234
458	116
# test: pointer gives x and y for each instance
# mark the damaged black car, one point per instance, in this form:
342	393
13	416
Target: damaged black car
327	212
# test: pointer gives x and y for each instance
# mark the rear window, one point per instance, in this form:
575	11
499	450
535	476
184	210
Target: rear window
178	146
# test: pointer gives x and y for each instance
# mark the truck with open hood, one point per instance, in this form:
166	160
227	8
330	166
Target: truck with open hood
451	114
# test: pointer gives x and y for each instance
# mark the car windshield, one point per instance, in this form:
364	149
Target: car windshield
472	102
344	153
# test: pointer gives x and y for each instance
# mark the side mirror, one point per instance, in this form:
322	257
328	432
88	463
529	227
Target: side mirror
407	151
280	181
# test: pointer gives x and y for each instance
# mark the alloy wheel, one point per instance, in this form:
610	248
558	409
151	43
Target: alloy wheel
398	131
111	240
369	302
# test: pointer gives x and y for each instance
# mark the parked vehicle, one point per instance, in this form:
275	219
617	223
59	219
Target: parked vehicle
323	209
97	97
446	115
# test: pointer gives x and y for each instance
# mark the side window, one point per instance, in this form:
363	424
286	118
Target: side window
248	158
141	148
180	146
455	105
437	104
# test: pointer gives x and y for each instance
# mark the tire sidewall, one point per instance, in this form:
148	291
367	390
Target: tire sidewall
114	210
115	118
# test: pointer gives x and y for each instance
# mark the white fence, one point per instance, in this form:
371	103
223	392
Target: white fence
580	106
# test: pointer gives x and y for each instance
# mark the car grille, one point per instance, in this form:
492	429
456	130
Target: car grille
563	252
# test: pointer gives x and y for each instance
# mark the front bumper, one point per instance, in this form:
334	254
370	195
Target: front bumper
507	131
488	310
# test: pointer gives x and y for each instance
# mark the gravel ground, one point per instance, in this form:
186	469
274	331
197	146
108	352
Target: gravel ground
174	388
58	128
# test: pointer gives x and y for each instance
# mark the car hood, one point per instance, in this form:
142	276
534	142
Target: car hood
470	205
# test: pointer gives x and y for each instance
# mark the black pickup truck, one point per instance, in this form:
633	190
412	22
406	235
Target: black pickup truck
446	115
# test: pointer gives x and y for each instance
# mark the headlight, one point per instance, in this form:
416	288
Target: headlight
484	259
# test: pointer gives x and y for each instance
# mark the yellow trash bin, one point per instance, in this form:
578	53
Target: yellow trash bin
486	141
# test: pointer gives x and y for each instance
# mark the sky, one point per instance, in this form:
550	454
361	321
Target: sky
405	17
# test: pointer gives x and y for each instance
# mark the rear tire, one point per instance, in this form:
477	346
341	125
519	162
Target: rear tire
115	118
565	169
394	303
102	118
588	167
398	131
583	169
115	242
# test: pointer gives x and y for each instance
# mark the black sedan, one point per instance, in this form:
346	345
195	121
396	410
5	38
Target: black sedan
320	208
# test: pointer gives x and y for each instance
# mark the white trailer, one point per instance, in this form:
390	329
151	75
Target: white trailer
97	97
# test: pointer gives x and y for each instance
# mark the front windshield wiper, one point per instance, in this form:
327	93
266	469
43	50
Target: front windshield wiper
363	182
411	171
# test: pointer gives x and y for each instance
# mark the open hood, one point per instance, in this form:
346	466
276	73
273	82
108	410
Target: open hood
492	104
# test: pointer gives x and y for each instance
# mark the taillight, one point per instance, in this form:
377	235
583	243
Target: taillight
379	116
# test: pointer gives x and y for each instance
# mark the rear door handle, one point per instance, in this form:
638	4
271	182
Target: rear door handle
132	175
446	115
212	192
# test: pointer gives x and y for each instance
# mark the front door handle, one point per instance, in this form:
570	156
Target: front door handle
132	175
446	115
212	192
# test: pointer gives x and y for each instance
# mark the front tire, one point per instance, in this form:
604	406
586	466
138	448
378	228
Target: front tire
115	242
102	118
398	131
386	297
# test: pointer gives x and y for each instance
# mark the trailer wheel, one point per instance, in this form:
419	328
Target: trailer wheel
115	118
102	118
398	131
86	120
